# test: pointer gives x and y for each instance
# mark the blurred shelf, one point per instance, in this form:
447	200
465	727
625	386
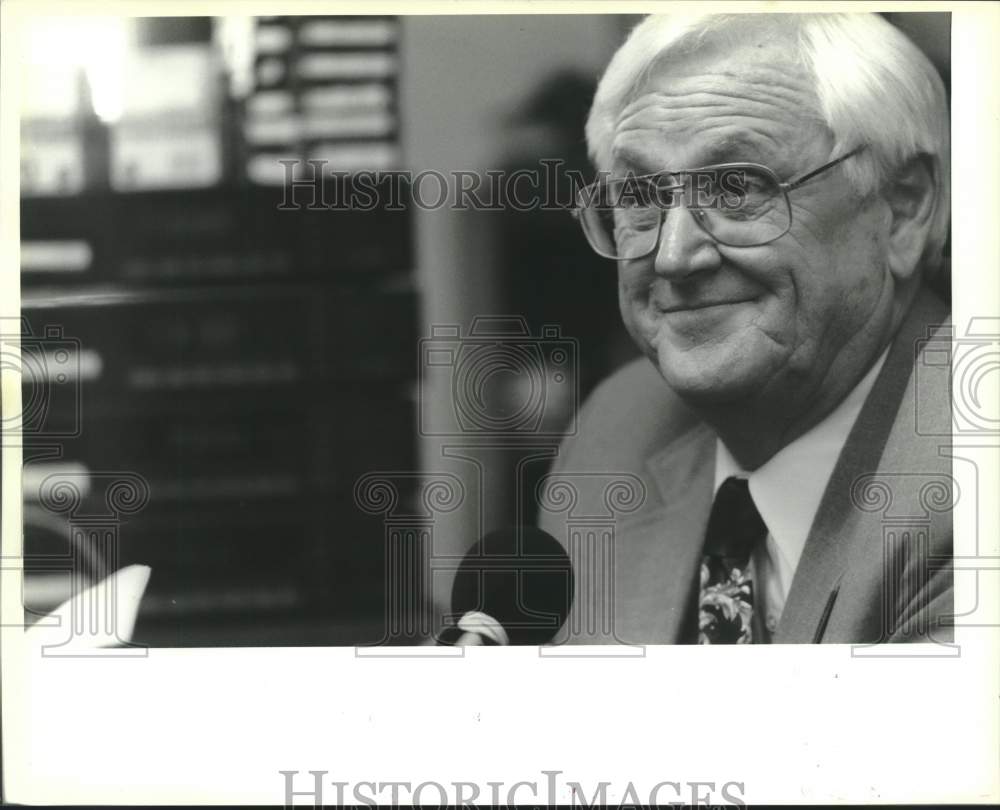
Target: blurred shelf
247	349
224	235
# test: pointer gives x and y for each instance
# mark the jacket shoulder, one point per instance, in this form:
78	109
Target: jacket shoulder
629	415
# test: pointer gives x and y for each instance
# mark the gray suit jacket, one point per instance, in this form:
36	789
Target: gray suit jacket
630	493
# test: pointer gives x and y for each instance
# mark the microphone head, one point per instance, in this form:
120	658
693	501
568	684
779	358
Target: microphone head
522	577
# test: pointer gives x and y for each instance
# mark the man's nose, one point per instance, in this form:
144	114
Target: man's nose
685	248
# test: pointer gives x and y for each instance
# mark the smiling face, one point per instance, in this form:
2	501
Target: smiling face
783	320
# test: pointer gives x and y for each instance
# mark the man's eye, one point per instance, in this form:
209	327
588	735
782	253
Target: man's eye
756	184
740	213
750	207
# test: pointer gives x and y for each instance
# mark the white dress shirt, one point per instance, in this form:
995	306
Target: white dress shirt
787	490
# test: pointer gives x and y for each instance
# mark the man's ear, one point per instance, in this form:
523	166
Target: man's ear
912	194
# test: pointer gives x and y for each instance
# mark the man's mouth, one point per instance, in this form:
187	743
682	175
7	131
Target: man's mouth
694	306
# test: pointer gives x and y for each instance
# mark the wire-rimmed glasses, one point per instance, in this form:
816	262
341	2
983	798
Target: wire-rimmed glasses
737	204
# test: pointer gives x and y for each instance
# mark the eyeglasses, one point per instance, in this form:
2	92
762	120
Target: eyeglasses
737	204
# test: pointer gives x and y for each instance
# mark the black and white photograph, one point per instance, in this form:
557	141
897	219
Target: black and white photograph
379	337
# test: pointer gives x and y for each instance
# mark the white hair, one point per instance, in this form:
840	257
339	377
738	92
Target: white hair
873	86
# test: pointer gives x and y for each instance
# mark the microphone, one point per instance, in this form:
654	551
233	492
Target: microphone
513	587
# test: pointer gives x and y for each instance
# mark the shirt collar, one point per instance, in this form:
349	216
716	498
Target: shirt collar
788	488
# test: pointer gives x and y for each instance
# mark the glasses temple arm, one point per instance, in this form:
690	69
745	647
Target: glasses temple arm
793	184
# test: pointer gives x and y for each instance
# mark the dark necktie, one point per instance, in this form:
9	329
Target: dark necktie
725	603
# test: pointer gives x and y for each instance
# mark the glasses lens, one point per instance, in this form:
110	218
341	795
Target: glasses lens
620	217
742	206
739	206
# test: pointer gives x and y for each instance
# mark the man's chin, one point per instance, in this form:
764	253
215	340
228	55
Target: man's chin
711	392
714	380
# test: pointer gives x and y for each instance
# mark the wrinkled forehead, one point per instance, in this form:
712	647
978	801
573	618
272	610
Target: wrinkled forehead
722	99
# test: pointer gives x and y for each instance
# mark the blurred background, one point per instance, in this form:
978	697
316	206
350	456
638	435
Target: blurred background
299	417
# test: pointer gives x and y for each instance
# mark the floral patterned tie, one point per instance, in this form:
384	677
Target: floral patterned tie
725	604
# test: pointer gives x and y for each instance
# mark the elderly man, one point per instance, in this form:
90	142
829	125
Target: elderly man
774	189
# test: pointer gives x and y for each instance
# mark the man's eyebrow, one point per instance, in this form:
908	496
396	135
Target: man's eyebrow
738	147
741	147
635	161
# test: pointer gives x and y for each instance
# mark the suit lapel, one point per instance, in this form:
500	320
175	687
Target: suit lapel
659	549
839	529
